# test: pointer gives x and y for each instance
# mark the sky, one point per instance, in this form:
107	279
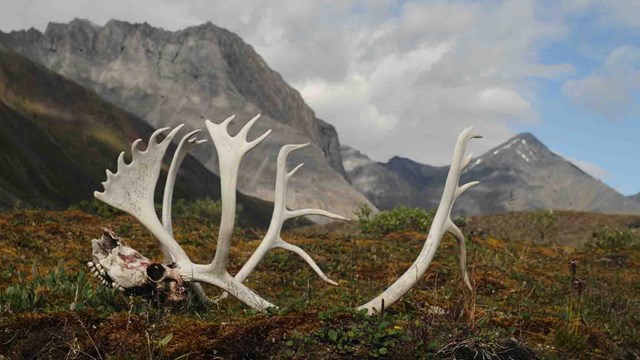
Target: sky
405	77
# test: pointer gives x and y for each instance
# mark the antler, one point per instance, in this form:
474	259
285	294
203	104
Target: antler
131	190
187	143
231	150
280	214
132	187
441	223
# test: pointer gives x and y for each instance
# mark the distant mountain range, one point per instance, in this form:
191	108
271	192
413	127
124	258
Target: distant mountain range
57	139
521	174
166	78
73	97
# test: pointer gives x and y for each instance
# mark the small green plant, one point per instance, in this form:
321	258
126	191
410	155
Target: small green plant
207	210
396	220
614	239
543	222
58	290
96	207
356	334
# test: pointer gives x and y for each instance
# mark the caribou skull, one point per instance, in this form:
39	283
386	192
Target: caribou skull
132	187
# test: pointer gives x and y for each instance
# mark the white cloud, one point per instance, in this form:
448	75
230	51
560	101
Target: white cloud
395	78
613	88
592	169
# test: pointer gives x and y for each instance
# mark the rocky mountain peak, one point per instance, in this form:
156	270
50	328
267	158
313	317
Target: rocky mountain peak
520	174
521	150
172	77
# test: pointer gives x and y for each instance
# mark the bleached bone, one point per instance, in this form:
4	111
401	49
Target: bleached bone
131	190
132	187
117	265
185	145
441	223
272	238
231	151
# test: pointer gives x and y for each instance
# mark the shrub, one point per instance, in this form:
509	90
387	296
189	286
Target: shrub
614	239
543	223
96	207
207	210
396	220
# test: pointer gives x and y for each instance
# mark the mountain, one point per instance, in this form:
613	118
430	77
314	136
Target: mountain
521	174
635	197
167	78
57	138
382	186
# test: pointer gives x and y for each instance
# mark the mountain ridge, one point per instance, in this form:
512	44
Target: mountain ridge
171	77
519	174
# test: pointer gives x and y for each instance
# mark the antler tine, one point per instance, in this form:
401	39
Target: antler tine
185	145
280	214
441	223
258	140
465	187
154	136
247	127
134	146
294	170
305	212
462	255
225	123
298	250
287	149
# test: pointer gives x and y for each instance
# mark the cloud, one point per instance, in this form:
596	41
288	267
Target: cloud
592	169
612	89
395	78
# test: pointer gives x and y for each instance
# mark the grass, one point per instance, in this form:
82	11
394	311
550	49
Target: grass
526	300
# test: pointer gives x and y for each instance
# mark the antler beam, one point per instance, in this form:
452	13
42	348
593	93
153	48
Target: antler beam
441	223
231	151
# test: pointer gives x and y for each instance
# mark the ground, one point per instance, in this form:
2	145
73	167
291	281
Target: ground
546	285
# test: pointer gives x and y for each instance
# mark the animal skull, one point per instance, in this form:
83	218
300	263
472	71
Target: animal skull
117	265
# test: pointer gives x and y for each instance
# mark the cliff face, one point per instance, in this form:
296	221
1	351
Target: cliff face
167	78
57	138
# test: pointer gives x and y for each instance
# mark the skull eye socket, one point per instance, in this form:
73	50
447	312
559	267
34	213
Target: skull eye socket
156	272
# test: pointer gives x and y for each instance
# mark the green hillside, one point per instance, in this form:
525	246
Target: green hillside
57	138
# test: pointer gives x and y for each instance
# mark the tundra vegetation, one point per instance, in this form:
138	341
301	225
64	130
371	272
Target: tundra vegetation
531	292
525	298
